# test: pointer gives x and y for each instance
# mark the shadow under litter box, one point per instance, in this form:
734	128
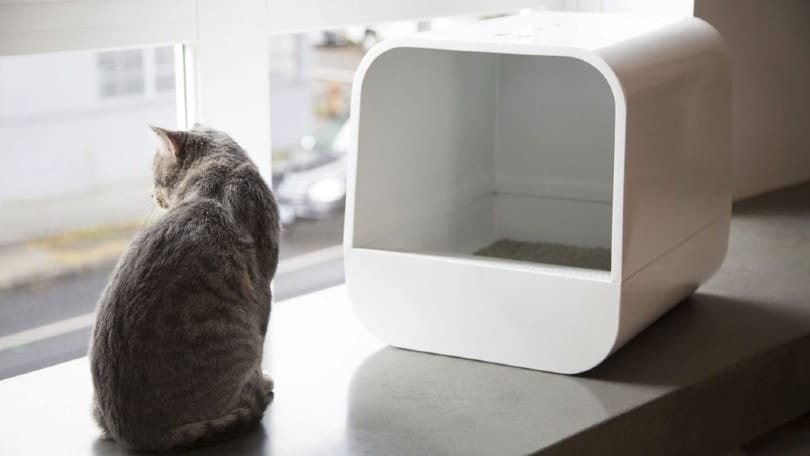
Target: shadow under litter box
548	253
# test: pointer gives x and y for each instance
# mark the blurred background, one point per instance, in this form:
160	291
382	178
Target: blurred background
76	177
75	152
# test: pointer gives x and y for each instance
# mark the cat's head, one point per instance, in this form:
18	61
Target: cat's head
178	152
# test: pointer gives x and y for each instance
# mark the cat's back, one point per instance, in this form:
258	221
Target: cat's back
196	238
176	275
178	340
163	314
189	247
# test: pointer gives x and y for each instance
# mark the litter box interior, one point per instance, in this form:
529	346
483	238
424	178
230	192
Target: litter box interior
473	155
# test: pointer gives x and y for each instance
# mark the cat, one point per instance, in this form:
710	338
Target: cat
176	349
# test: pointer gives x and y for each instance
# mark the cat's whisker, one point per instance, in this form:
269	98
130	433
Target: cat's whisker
149	218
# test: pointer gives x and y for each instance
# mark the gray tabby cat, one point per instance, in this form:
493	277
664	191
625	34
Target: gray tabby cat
177	345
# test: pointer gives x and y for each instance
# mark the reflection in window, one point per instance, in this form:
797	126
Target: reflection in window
120	72
75	185
164	69
310	84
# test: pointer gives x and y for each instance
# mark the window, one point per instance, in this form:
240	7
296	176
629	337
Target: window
75	185
164	69
131	72
120	72
74	169
311	81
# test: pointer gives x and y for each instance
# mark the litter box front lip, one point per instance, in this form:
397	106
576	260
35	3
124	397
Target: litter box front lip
486	312
550	270
429	42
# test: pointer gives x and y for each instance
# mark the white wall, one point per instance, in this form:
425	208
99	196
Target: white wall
31	85
769	43
60	137
71	153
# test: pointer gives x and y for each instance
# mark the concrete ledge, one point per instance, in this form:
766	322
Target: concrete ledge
715	372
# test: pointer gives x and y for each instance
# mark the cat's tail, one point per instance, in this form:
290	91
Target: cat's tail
210	432
258	395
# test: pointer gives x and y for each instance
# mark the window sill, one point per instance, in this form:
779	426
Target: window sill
721	368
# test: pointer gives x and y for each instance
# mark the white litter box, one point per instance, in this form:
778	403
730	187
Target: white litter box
535	190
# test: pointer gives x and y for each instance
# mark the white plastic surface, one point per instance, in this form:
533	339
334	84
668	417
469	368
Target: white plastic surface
583	129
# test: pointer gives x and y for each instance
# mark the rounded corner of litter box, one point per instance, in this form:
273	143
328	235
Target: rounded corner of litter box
595	59
375	53
592	334
584	366
607	342
367	63
361	311
574	366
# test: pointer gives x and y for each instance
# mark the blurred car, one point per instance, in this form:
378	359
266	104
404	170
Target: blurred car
286	214
313	183
330	38
367	36
315	193
363	36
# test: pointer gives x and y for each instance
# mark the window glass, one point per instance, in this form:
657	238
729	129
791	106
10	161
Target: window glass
75	177
164	69
121	72
310	89
75	185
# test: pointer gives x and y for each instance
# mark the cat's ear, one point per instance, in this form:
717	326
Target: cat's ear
169	142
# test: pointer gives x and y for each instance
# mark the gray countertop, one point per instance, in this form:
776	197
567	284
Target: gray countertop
722	367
